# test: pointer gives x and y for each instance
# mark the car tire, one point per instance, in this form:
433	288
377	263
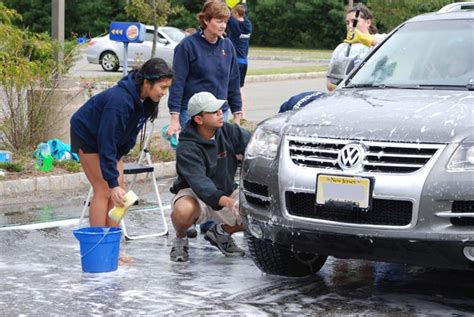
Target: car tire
274	259
109	61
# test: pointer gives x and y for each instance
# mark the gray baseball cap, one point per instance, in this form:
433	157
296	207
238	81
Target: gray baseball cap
203	101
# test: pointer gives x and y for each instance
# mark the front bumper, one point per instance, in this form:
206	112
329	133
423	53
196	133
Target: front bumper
431	253
93	59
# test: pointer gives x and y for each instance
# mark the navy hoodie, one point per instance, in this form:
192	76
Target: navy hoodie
300	100
109	123
239	34
208	166
201	66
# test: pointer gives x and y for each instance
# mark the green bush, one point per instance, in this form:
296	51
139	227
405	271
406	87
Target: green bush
69	165
12	167
29	76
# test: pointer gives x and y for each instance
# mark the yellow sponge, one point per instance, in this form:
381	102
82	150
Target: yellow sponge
117	213
232	3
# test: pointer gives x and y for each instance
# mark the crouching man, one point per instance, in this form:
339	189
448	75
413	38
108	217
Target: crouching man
206	164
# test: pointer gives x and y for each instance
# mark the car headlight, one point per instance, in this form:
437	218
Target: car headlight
463	158
263	143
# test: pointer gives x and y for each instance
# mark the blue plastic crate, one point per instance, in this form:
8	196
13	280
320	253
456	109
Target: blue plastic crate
5	156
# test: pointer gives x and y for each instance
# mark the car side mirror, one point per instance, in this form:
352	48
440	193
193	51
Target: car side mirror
163	41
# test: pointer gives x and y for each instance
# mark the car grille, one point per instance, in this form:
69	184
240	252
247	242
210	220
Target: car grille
383	212
382	157
462	207
258	189
256	194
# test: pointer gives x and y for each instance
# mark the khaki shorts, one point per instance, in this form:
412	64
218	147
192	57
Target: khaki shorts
225	215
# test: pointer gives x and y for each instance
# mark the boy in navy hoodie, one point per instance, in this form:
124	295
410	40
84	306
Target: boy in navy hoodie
206	164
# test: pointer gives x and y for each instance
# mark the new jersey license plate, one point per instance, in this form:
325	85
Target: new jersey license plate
348	190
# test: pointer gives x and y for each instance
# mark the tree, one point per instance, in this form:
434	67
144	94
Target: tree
390	13
297	23
36	14
81	17
186	17
93	18
153	12
28	78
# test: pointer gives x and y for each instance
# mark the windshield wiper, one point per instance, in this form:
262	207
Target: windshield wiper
469	86
444	87
362	86
383	86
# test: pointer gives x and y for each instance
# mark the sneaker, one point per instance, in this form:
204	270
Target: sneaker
223	242
179	250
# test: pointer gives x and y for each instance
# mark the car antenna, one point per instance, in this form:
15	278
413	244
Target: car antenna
354	25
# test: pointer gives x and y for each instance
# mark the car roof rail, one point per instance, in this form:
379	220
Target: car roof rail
457	6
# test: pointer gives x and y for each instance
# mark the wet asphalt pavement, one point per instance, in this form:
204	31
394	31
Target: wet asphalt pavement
41	275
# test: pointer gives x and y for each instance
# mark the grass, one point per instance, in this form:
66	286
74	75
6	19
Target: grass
290	52
287	70
113	78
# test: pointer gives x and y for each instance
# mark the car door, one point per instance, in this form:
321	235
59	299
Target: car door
164	48
138	53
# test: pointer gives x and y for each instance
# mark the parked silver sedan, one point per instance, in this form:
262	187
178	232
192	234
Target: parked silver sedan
109	54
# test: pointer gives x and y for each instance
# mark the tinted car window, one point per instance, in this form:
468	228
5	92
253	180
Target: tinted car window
175	34
149	35
415	55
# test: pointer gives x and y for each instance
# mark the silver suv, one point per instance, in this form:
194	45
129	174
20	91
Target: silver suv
381	169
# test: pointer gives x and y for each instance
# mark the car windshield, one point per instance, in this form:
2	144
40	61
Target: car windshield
174	33
421	54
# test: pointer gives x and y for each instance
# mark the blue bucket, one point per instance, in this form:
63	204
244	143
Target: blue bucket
100	248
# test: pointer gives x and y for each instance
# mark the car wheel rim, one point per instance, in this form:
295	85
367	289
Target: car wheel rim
108	61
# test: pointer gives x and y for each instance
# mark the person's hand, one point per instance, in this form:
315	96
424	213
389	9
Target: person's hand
227	202
236	208
237	118
356	36
330	86
174	126
118	196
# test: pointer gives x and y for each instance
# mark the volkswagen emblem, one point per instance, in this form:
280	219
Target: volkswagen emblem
351	156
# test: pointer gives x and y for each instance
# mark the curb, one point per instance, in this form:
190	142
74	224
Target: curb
67	181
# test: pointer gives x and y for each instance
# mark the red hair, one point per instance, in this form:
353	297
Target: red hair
213	9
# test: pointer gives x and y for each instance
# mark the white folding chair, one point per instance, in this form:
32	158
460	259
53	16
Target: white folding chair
144	165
